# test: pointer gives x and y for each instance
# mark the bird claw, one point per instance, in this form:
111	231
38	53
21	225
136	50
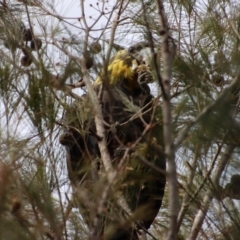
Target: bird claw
145	77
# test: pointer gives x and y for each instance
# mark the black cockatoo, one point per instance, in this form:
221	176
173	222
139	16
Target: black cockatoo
132	121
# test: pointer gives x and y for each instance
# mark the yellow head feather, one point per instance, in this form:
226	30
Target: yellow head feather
122	67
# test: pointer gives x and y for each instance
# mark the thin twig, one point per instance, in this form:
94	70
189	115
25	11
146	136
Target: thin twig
183	134
198	221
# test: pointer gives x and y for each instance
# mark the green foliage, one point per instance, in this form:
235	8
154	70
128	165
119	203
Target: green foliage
35	200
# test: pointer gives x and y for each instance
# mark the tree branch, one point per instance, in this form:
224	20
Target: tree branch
167	58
